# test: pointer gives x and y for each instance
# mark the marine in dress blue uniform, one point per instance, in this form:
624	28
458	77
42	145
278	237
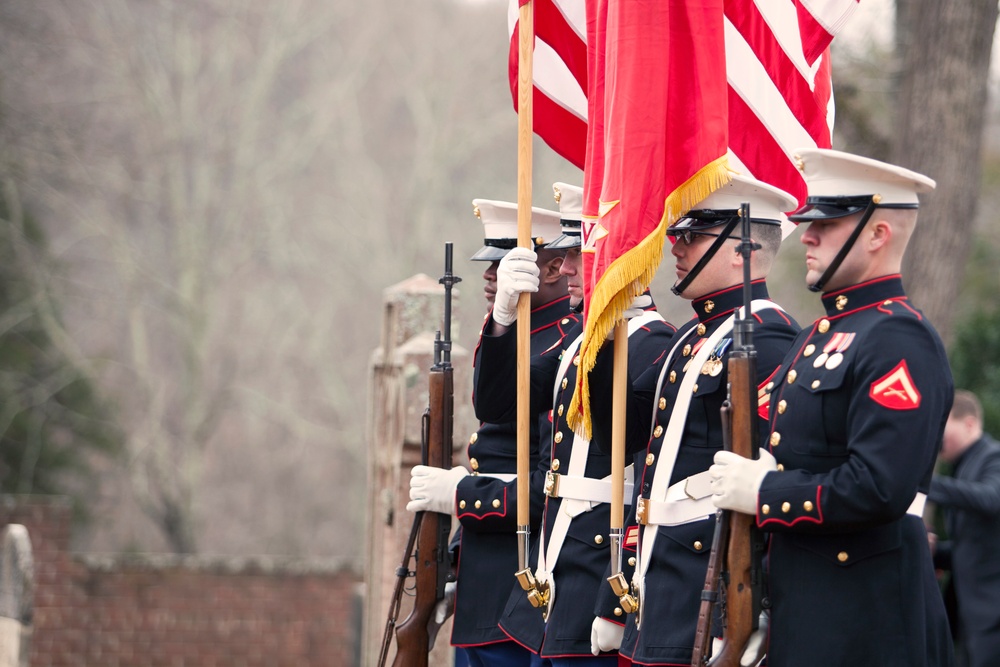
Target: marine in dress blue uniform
857	411
674	508
563	635
484	500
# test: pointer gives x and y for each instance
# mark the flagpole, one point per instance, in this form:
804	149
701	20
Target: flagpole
618	444
525	84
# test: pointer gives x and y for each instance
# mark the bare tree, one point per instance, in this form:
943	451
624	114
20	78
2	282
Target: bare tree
944	50
229	187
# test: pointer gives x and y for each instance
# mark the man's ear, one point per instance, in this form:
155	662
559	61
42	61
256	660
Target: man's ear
550	270
881	232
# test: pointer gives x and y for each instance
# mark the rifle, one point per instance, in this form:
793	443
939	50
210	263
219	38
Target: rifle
737	584
429	534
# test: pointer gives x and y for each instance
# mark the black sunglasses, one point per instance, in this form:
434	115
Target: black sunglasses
688	235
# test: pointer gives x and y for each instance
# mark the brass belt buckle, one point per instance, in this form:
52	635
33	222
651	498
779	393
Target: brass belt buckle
552	484
641	508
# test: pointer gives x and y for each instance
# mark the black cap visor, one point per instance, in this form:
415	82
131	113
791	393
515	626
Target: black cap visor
565	241
830	208
494	250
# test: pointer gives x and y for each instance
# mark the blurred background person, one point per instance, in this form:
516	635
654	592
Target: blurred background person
970	499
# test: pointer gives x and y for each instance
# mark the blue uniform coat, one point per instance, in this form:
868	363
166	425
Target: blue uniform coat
856	436
584	554
487	552
676	572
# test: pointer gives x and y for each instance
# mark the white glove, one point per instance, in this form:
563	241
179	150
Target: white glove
736	480
516	273
444	608
605	636
635	309
757	644
638	306
433	489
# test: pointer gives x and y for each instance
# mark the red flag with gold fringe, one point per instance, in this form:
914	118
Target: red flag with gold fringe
657	141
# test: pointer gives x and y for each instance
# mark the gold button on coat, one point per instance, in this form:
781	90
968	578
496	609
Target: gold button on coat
478	504
686	350
461	504
765	509
792	375
775	439
658	431
557	438
555	465
650	458
618	611
473	438
673	377
842	556
598	539
786	507
841	302
815	384
576	360
565	382
631	561
697	545
824	326
474	464
701	329
782	406
807	506
810	348
781	468
709	306
496	502
662	403
559	411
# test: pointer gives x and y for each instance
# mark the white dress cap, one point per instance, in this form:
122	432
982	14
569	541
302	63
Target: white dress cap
499	220
766	201
570	200
830	173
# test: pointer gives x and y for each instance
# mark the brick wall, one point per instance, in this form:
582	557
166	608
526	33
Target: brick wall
170	611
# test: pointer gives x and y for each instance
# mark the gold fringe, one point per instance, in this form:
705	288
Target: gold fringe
628	277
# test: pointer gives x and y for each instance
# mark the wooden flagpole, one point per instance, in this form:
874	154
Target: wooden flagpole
618	444
525	89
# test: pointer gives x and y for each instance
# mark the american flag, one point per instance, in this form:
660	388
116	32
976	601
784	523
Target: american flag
778	71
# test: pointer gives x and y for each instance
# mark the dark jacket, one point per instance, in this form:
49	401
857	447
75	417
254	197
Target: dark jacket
971	503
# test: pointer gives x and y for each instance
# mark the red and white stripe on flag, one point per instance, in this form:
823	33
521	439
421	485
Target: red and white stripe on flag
778	72
559	71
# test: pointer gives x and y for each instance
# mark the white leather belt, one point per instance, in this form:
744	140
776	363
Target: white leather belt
583	488
688	500
917	506
502	476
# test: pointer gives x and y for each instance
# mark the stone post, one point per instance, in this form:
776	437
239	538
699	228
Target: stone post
413	312
17	586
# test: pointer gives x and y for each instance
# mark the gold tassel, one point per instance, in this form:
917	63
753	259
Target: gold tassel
628	277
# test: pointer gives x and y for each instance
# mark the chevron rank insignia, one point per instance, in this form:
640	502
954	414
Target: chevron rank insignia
896	389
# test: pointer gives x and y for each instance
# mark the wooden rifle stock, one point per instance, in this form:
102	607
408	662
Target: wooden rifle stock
713	576
738	588
431	559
